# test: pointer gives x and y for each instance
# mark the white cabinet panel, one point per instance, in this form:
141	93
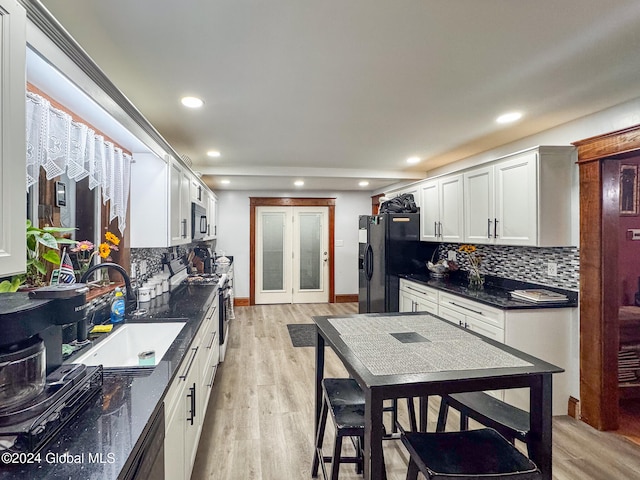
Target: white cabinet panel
522	199
441	211
429	211
12	138
517	200
479	205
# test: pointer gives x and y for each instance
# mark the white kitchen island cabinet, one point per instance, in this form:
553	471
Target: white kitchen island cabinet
542	332
520	199
12	138
441	209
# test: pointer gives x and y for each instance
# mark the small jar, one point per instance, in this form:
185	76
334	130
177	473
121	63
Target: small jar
144	294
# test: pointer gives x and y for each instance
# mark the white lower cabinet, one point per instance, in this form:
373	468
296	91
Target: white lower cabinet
417	298
188	397
544	333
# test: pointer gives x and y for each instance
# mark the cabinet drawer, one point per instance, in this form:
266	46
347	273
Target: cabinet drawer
422	291
484	313
451	315
483	328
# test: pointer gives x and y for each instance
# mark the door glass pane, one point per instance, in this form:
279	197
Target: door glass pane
310	251
273	251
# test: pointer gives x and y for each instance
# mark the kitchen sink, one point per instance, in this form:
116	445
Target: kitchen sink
126	347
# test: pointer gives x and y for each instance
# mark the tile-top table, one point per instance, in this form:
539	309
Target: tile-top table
398	355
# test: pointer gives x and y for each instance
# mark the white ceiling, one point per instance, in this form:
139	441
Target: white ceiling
338	91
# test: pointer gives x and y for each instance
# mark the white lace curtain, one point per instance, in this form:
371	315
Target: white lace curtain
57	143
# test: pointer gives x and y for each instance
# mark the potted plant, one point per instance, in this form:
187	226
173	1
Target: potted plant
42	249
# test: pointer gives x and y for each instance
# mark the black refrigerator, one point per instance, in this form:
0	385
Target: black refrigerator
389	245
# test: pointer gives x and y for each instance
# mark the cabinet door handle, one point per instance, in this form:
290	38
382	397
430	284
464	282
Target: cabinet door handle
488	228
213	337
495	228
184	228
460	323
192	407
467	308
213	374
440	228
435	229
194	351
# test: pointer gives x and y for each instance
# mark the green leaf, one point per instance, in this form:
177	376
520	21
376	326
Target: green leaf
52	257
48	240
66	241
31	242
58	229
5	286
29	224
40	267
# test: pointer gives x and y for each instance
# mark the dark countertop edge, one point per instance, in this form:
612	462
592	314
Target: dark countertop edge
164	373
496	287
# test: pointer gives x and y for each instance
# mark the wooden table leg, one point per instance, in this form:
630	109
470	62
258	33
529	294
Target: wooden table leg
373	430
540	445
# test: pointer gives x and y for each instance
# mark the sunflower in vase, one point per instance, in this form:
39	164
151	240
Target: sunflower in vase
85	251
476	279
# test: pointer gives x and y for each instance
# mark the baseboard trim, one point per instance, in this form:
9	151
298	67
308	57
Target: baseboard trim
241	302
574	408
346	298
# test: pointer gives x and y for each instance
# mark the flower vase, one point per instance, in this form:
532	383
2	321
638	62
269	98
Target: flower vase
476	280
104	280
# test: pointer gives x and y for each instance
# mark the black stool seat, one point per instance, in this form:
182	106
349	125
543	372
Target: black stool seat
344	400
343	391
471	454
511	422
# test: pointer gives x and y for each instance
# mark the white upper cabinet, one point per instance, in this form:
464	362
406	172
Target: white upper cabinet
197	193
523	199
441	209
180	205
12	138
161	196
212	216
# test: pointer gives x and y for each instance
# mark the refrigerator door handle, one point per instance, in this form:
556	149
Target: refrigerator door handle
369	261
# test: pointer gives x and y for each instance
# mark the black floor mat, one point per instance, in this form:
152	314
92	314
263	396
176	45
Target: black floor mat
302	334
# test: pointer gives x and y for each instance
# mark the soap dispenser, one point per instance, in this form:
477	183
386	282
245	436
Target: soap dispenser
117	307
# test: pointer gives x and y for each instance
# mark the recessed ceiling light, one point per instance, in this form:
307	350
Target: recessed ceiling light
213	153
413	160
298	183
509	117
364	183
192	102
225	182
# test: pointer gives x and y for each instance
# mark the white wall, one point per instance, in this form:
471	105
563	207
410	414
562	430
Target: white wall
233	233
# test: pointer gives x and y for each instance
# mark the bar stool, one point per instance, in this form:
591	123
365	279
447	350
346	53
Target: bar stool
511	422
344	399
481	454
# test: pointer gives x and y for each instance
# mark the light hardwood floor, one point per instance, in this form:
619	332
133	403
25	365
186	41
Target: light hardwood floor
259	424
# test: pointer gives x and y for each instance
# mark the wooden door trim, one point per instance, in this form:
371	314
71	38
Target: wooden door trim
290	202
599	326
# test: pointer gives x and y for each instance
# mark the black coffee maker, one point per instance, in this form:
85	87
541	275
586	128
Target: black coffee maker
38	393
31	340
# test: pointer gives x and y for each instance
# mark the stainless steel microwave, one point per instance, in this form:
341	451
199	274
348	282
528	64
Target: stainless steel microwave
199	222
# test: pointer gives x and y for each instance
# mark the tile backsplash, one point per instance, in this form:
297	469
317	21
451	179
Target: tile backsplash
528	264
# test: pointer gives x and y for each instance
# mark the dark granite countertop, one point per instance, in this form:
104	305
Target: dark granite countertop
495	292
115	422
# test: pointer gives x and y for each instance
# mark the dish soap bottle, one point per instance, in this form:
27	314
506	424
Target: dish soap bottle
117	307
